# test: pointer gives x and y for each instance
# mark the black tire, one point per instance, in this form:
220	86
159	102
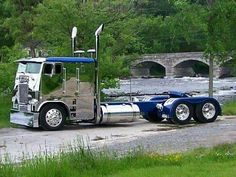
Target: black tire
153	117
203	117
196	119
45	121
188	112
171	121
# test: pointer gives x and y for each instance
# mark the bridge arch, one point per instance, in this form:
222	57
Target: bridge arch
191	67
190	59
160	62
148	68
226	69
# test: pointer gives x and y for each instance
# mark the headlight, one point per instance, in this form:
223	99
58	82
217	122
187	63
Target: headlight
33	102
29	97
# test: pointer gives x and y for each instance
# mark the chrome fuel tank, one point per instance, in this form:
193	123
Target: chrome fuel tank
120	113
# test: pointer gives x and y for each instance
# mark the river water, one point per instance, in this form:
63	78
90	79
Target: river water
224	89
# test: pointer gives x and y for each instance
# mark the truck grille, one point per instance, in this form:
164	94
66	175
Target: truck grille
23	108
23	93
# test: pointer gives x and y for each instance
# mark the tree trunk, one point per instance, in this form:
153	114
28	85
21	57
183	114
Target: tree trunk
32	51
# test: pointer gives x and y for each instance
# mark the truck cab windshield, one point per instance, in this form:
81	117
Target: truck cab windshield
33	68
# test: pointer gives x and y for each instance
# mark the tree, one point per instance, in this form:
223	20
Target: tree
222	24
156	7
117	40
5	40
183	31
53	25
221	33
20	22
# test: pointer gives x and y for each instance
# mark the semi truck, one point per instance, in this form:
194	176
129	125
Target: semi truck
50	92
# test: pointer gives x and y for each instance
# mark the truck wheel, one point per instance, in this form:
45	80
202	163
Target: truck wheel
182	113
153	117
52	117
206	112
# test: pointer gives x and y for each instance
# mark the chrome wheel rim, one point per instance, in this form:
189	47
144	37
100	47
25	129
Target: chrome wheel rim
208	110
182	112
53	117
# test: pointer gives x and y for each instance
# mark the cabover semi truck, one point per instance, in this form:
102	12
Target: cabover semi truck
52	91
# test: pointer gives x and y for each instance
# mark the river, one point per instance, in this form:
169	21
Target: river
224	89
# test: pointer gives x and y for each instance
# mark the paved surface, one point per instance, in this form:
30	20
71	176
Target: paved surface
18	143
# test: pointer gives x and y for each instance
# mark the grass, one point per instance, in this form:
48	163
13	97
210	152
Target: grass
218	161
229	108
5	106
215	170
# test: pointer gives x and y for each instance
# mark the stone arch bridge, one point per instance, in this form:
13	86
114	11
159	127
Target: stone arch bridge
174	64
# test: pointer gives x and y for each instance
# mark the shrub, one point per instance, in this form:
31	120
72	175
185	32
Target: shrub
7	76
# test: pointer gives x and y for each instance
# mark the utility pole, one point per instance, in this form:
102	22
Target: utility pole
211	62
211	57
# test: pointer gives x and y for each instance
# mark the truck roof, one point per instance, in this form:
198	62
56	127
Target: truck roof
37	60
59	59
70	59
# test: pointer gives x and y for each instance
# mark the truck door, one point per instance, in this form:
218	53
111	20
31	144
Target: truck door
78	90
85	91
72	83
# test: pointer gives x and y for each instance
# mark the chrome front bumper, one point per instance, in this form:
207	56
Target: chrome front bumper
29	119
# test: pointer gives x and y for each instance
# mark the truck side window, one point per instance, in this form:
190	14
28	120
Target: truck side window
58	69
48	69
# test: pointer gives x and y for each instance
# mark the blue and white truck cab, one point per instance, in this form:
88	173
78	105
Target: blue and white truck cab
52	91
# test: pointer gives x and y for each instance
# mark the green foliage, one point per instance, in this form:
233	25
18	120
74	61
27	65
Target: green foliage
11	54
221	29
131	28
217	161
111	69
139	27
7	76
5	105
5	38
156	8
54	33
229	108
20	22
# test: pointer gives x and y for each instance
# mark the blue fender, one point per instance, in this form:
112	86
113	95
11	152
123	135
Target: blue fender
148	107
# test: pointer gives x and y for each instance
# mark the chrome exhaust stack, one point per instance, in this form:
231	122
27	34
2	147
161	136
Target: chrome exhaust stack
110	113
73	40
97	80
105	113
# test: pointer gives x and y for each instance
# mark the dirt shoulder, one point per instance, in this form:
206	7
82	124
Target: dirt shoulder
18	143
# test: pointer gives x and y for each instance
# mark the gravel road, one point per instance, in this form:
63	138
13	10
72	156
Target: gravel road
18	143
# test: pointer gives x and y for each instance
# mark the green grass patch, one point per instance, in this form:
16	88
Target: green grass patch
229	108
5	106
219	161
